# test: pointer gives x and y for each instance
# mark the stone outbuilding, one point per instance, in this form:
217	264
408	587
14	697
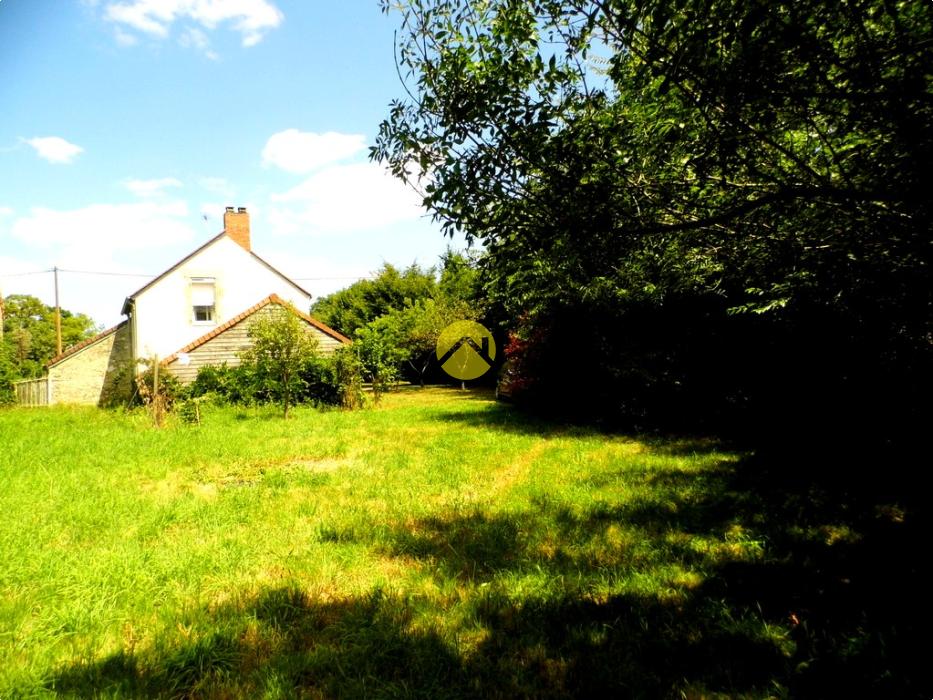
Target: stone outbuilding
96	371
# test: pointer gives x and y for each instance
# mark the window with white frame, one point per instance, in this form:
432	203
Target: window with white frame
202	299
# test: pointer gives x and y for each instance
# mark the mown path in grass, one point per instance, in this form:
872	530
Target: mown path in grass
440	545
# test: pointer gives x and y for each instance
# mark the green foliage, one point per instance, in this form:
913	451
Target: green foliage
787	160
398	317
7	377
460	280
158	391
366	300
170	389
281	347
621	159
29	333
414	330
379	353
189	410
348	374
234	385
322	381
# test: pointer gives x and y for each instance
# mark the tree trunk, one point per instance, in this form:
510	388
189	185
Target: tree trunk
286	397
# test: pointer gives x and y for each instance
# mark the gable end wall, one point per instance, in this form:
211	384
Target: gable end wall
96	375
163	310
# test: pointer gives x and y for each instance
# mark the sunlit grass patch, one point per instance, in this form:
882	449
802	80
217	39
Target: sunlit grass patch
440	545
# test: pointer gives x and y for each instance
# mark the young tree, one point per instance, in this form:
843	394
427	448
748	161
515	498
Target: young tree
377	347
280	346
348	373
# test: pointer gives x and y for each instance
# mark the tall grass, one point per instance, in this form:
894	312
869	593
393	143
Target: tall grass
439	546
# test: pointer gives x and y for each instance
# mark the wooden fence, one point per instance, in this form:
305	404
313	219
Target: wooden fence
32	392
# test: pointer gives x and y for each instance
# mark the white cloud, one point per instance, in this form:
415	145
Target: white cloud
55	149
124	38
197	39
138	239
251	18
151	188
100	229
343	199
5	211
303	151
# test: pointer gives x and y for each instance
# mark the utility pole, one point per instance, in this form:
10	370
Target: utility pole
58	317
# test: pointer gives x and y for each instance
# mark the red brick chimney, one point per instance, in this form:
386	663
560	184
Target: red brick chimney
236	225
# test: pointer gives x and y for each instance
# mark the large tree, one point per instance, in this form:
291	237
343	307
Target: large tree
362	302
620	160
29	333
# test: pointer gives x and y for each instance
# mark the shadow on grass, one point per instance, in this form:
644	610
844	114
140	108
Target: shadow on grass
283	644
506	418
842	523
812	590
280	644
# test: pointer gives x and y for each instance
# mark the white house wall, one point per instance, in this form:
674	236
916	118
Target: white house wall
164	315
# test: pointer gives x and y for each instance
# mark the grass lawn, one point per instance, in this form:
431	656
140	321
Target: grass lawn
441	545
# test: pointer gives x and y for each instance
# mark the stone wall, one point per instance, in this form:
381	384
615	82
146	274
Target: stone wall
97	374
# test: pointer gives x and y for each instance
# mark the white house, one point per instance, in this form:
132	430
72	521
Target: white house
204	290
202	305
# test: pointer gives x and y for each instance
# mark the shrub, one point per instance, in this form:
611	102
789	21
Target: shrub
235	385
348	373
319	383
158	399
322	381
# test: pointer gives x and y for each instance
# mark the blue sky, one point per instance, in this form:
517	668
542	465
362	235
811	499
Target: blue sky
125	122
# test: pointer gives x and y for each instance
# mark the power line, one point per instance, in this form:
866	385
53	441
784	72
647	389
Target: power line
315	279
109	274
150	275
79	272
23	274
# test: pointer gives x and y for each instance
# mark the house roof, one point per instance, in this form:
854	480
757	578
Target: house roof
150	283
271	299
83	344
